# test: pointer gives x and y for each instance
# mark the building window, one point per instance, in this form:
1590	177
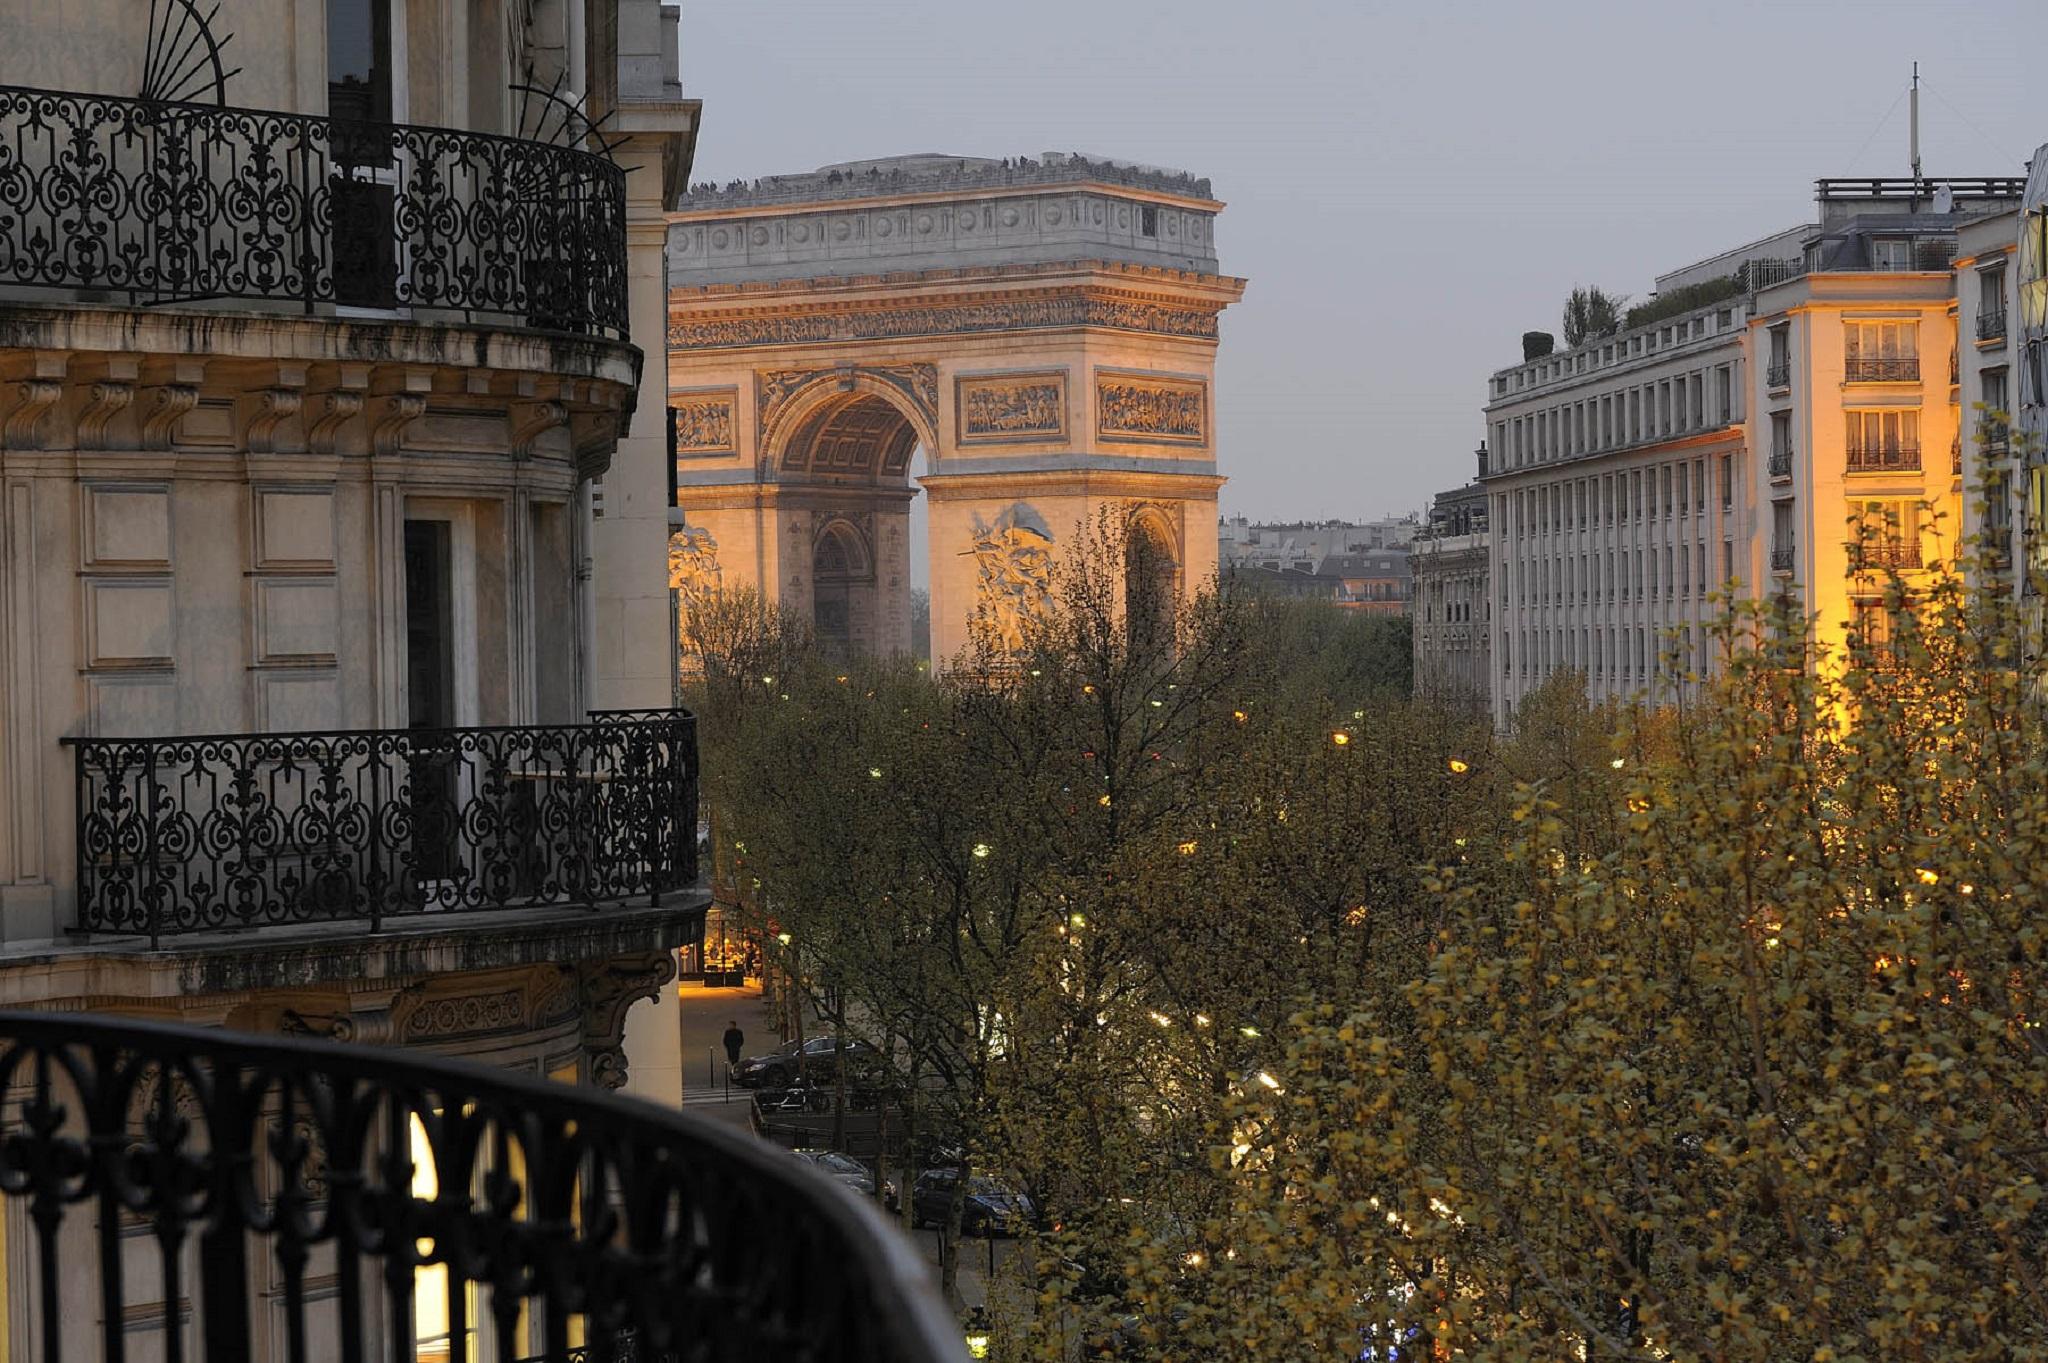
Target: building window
1887	534
1148	219
1882	352
1891	253
1884	439
359	60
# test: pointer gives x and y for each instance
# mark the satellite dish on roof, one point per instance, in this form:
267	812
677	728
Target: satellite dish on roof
1944	199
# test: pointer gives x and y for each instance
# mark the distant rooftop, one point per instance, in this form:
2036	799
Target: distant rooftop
935	172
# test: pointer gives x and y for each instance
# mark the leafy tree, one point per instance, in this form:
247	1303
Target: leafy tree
1590	312
1758	1075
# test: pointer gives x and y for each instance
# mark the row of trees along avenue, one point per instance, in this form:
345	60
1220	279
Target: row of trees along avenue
1320	1022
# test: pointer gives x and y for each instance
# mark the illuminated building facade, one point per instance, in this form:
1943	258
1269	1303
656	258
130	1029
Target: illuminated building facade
1793	433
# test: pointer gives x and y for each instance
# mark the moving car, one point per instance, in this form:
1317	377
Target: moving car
820	1063
989	1209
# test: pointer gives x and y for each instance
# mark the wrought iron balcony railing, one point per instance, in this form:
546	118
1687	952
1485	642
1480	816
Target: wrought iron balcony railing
167	202
1991	325
1883	369
280	1198
1781	558
180	835
1778	374
1878	554
1781	464
1884	459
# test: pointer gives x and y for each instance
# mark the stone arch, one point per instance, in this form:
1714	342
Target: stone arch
868	421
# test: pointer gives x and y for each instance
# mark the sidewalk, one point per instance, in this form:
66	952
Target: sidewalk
705	1014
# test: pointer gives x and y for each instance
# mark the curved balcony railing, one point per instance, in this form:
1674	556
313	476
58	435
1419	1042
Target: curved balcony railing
1991	324
1781	464
164	202
1781	558
179	835
277	1199
1778	374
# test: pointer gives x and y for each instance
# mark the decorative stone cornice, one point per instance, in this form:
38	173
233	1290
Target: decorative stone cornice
972	315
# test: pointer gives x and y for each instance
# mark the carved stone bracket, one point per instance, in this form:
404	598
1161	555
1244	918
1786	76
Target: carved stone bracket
34	400
592	438
336	410
104	401
376	1025
273	407
168	405
399	411
531	421
609	989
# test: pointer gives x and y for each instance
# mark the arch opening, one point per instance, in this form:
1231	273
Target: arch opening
856	450
1151	582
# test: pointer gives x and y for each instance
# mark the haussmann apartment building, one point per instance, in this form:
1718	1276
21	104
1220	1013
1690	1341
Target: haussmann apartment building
1799	430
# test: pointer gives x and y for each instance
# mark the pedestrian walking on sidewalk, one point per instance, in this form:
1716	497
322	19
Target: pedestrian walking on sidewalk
734	1039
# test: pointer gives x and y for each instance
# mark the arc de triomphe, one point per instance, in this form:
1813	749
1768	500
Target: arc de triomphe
1045	330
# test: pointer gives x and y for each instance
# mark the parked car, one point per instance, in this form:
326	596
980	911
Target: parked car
847	1171
820	1063
989	1208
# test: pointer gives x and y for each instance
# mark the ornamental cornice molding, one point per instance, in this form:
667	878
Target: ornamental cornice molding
892	319
1073	483
1227	288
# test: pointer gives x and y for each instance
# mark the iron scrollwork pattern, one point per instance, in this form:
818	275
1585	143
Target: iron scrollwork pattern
168	201
180	835
197	1193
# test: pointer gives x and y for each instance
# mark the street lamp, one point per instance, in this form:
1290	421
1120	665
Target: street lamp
979	1329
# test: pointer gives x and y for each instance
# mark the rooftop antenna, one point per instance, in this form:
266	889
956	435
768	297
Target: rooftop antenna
1913	110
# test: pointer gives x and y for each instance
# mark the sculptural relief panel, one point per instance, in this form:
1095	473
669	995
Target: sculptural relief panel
705	422
999	408
1013	571
1150	409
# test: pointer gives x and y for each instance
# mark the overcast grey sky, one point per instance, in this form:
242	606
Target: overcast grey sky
1410	186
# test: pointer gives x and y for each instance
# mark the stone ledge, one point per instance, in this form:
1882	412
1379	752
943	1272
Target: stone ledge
47	974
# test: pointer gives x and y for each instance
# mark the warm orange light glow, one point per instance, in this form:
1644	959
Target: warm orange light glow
1239	715
1458	764
1187	849
1340	738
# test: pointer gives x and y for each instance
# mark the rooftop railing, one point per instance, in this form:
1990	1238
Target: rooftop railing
180	835
192	1193
162	202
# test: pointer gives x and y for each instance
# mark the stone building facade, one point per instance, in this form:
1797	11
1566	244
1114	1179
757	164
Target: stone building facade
1044	331
1787	436
305	605
1452	614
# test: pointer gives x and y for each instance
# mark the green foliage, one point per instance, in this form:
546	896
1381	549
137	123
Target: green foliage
1537	344
1590	313
1700	295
